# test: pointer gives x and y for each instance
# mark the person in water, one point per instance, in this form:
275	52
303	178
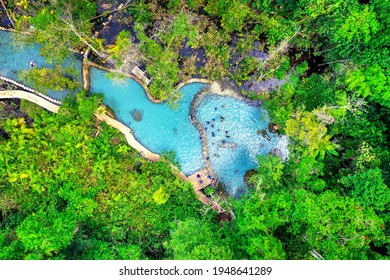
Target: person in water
32	63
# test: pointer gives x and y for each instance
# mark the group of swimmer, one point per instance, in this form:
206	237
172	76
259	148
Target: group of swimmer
212	180
211	126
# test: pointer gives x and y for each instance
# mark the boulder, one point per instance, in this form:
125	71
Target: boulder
272	127
264	133
137	114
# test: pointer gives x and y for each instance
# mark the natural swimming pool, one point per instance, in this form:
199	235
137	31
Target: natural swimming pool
234	138
161	129
233	142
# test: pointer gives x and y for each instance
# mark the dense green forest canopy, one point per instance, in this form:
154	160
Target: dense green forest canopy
72	189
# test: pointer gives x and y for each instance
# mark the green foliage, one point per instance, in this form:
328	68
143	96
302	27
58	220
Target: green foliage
196	240
170	156
87	106
46	232
174	5
160	197
366	157
269	174
306	129
162	66
369	126
305	172
275	28
367	187
57	79
59	25
234	14
258	216
94	249
141	13
335	226
358	27
247	67
314	92
180	29
370	82
30	108
122	45
279	105
195	4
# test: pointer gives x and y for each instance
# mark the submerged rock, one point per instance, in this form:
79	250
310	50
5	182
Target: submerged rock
264	133
137	114
228	145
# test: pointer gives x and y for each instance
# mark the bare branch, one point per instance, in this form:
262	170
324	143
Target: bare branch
8	15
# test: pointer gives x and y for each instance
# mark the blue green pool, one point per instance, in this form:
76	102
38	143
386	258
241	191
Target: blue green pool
231	126
161	128
234	143
14	59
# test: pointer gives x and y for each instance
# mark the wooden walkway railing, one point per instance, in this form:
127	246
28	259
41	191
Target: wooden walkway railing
26	88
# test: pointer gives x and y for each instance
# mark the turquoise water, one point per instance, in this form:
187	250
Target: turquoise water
233	140
14	59
161	128
231	127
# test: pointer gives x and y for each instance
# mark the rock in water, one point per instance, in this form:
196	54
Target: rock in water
264	133
137	114
274	128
